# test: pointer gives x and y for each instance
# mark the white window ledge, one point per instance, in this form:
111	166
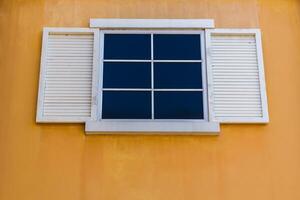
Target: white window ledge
153	127
152	23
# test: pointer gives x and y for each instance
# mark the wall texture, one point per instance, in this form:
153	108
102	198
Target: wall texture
51	161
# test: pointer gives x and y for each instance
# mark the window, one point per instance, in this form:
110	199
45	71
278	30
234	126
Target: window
153	75
130	75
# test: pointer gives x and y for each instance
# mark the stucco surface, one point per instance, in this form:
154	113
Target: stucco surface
58	161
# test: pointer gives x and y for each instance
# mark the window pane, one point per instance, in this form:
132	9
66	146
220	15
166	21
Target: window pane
177	75
176	47
178	105
126	105
127	46
127	75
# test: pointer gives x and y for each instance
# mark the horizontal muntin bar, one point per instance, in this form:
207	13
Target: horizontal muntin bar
184	61
146	89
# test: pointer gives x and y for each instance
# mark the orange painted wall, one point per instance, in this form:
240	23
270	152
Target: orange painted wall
50	161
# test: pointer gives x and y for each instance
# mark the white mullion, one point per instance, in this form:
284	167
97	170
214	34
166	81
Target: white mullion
152	78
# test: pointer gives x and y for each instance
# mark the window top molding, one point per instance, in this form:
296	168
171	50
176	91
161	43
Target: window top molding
152	23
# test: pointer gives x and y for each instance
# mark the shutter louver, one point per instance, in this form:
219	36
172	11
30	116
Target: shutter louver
236	76
66	75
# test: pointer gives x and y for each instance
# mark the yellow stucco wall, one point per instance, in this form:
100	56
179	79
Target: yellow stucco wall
50	161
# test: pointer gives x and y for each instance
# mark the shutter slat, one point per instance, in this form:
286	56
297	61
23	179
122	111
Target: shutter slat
67	99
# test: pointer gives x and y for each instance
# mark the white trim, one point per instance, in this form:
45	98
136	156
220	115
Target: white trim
237	31
152	23
150	127
99	83
262	80
150	31
204	77
60	30
95	75
40	103
257	34
59	119
209	76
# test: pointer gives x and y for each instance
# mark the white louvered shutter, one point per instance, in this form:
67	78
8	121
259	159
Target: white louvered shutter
67	64
236	83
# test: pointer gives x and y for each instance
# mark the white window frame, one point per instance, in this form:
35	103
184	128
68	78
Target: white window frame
152	125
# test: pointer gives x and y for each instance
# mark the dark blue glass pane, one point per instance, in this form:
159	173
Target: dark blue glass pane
126	75
126	105
178	105
177	75
127	46
176	47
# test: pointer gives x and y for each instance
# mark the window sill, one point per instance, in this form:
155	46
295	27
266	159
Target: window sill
190	127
